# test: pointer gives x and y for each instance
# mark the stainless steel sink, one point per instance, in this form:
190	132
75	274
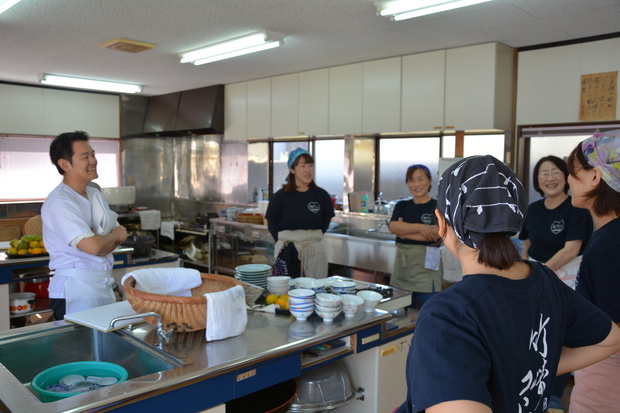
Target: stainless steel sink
25	355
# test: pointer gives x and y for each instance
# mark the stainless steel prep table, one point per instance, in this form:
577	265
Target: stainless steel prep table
211	373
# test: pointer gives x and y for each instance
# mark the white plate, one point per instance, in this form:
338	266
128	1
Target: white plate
5	245
253	268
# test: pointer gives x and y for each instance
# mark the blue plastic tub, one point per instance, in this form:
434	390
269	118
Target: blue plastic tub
53	375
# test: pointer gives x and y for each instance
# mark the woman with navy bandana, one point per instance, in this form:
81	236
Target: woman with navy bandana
297	217
416	267
495	341
594	167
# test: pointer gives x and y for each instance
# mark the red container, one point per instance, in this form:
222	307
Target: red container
37	286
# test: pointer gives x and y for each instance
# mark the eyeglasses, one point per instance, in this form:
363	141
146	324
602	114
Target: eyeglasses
546	175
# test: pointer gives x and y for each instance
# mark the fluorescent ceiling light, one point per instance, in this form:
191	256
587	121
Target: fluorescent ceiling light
90	84
401	10
7	4
233	48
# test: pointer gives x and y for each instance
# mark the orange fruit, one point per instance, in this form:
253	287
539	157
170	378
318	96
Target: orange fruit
37	251
22	251
34	244
282	303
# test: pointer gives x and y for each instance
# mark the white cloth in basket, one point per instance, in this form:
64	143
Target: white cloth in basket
166	281
226	313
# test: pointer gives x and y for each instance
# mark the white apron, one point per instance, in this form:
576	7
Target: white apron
86	289
309	245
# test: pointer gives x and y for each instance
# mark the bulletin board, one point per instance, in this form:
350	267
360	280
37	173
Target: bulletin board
599	93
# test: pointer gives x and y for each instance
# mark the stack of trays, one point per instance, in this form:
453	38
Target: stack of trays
250	218
255	274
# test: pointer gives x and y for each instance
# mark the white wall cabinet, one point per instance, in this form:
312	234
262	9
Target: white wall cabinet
549	87
43	111
259	108
285	105
479	87
235	111
314	102
345	99
423	88
381	96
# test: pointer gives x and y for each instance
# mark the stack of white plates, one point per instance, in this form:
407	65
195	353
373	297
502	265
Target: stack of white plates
255	274
278	285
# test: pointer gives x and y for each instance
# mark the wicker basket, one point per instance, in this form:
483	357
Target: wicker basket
183	314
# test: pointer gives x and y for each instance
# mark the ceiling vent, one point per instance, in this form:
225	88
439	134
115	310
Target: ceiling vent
126	45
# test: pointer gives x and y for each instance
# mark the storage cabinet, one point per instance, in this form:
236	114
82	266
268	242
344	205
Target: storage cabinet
313	99
235	111
381	96
345	99
423	88
259	108
284	105
479	87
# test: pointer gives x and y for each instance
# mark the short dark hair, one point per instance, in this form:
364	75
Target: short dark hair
559	163
290	184
606	200
411	170
62	147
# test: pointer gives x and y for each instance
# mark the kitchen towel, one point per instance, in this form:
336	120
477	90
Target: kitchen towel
167	228
226	313
166	281
150	220
104	219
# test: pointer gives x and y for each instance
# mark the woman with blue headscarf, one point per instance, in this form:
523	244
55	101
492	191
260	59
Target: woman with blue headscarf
297	217
495	341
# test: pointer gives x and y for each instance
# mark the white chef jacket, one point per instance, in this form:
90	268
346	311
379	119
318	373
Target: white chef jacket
67	219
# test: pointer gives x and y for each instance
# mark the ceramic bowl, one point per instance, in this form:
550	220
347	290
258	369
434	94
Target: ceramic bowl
371	299
350	304
304	282
279	280
301	315
328	300
328	316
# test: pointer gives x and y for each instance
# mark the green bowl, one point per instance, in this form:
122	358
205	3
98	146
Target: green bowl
53	375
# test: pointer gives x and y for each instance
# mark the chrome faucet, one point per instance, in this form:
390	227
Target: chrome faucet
163	336
383	223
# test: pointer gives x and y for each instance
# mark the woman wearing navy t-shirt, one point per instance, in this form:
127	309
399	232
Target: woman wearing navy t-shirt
413	223
297	217
594	179
494	341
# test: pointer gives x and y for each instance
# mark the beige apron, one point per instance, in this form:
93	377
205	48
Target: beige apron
309	245
410	272
86	289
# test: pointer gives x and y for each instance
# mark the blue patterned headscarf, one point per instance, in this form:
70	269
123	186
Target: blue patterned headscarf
480	195
295	154
603	152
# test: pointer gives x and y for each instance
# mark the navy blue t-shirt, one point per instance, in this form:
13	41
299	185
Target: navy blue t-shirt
498	341
413	213
294	210
549	229
598	279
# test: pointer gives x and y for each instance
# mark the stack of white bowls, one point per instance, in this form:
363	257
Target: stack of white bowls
301	303
278	285
317	285
371	299
350	304
328	306
342	287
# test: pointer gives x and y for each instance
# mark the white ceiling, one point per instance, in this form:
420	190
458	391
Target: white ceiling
63	36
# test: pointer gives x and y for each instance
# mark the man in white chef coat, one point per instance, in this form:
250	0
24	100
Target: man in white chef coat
79	230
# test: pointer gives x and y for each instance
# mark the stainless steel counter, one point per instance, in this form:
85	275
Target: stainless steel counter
267	337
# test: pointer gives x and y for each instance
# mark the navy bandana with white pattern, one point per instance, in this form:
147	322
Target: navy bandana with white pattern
480	195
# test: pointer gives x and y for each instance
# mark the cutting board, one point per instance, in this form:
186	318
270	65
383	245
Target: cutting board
99	318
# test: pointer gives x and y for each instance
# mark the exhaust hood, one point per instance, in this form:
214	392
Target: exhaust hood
190	112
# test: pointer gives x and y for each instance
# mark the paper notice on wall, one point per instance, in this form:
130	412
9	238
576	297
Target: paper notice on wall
599	92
